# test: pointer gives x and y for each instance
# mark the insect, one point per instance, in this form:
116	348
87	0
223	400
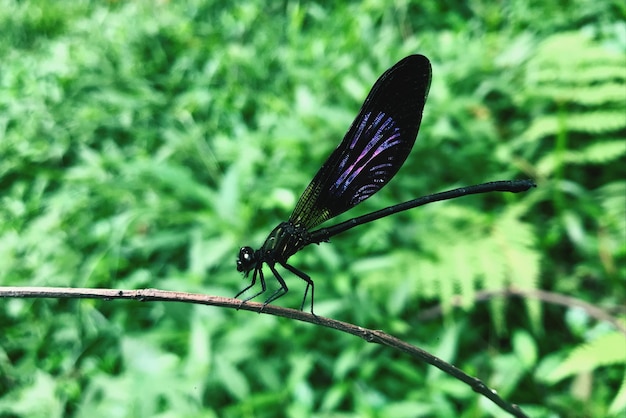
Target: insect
371	153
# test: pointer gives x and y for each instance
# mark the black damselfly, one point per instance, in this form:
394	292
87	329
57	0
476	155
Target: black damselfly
371	153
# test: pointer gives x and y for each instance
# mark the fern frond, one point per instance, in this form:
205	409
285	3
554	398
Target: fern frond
598	153
607	93
541	127
597	122
611	197
613	70
517	242
484	255
606	350
587	88
555	62
602	152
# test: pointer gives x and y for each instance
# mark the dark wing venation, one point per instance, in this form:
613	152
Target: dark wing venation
374	148
367	164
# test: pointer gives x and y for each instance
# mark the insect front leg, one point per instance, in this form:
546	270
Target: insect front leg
258	271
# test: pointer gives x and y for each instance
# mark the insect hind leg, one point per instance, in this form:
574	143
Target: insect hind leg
309	283
281	290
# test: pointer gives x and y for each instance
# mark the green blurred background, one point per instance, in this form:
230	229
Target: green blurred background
142	143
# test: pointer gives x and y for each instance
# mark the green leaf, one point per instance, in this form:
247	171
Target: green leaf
606	350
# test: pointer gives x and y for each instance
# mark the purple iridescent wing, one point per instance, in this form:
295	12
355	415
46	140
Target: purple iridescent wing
375	147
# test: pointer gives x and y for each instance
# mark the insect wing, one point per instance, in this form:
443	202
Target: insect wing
375	147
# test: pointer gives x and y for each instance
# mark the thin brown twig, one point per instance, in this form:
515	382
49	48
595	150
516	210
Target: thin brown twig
543	295
372	336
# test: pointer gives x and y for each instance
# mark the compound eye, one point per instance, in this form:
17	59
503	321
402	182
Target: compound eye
246	260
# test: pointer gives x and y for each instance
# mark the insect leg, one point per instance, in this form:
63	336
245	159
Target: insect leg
309	283
263	286
279	292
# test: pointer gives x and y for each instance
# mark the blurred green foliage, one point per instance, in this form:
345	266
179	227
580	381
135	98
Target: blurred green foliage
141	143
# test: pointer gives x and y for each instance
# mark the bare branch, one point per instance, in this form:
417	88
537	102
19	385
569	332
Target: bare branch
372	336
542	295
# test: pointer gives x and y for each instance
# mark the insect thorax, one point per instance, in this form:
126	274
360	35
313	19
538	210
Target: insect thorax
284	241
